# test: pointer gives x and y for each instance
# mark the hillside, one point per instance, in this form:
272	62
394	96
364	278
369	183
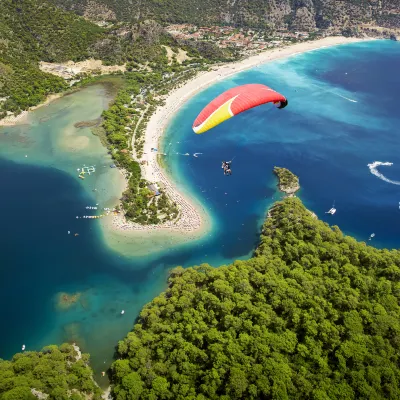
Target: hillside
270	14
31	31
52	373
314	315
34	31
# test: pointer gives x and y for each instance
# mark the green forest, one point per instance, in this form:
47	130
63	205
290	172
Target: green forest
55	373
313	315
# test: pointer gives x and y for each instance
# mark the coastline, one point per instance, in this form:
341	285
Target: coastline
194	222
22	118
12	120
192	219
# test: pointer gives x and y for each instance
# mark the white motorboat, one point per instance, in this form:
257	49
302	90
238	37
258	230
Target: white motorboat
371	236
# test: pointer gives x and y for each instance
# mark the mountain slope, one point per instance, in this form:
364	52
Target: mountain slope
274	14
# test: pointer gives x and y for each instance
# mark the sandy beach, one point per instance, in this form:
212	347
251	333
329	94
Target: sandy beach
14	120
191	217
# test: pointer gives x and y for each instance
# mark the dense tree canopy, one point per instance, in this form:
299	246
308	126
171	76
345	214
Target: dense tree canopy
56	372
314	315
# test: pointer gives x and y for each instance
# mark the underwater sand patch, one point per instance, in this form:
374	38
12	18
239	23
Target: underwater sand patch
66	300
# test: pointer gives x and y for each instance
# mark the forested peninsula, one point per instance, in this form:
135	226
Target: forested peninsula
313	315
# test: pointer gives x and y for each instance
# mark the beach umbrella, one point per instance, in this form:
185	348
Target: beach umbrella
233	102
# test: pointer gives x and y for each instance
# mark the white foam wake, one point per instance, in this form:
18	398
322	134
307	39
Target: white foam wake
343	97
374	170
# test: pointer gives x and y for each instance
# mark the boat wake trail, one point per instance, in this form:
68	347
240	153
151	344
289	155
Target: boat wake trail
374	170
343	97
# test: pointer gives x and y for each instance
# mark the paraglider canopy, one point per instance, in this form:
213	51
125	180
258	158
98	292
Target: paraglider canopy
233	102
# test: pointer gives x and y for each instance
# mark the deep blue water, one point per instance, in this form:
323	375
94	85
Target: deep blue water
325	139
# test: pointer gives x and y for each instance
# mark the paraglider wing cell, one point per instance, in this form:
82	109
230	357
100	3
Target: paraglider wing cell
233	102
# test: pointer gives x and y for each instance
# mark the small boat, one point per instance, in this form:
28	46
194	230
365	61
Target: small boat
122	312
332	210
23	347
371	236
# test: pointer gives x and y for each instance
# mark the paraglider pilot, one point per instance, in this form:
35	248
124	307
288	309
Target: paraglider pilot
226	165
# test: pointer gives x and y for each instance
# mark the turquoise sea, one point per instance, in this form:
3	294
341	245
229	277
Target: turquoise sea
342	115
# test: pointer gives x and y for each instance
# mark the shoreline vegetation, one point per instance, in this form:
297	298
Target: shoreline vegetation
288	182
136	120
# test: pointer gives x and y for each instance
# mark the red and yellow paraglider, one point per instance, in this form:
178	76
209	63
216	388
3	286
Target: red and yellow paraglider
233	102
